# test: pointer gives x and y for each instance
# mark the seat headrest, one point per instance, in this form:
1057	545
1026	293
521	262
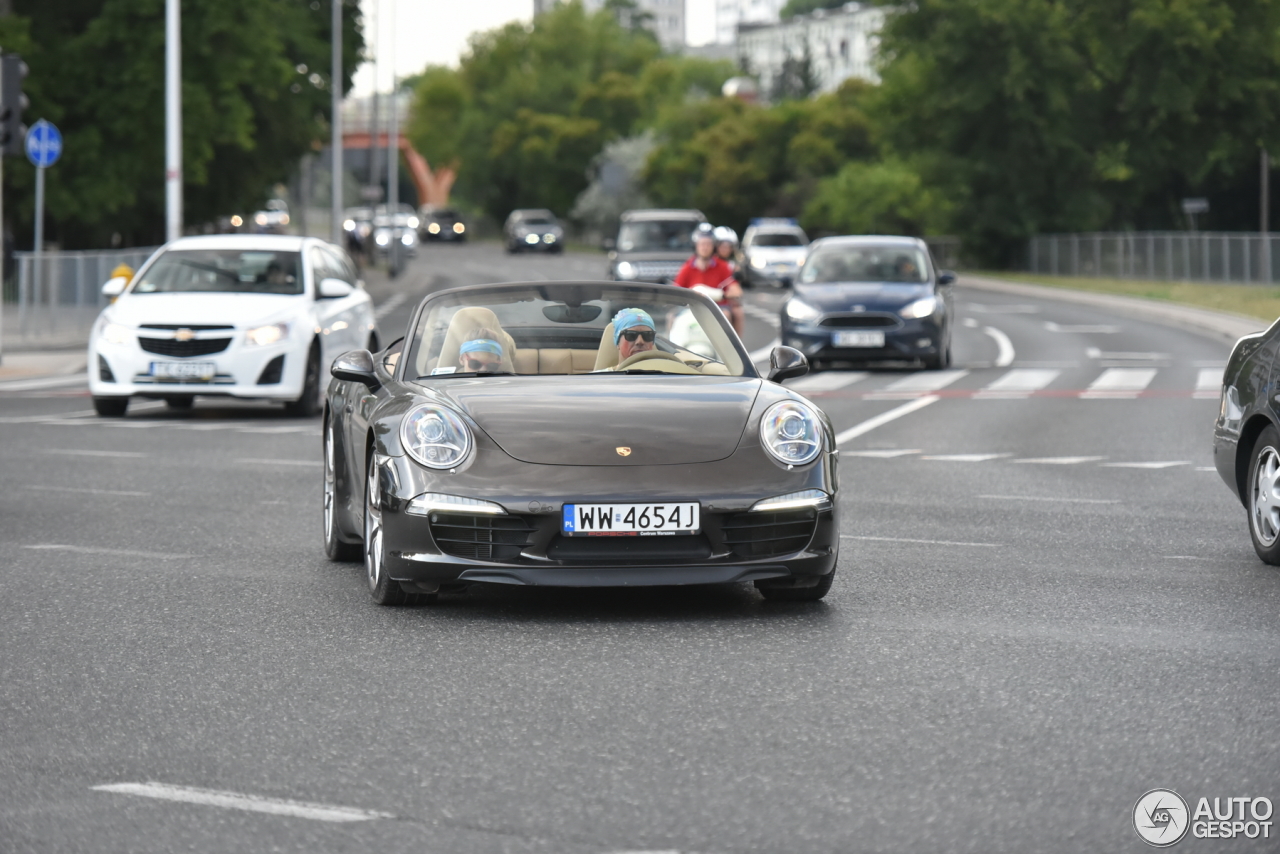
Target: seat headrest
607	355
465	320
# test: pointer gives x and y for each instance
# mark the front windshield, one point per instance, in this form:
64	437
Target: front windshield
865	263
557	329
656	236
222	271
535	220
784	238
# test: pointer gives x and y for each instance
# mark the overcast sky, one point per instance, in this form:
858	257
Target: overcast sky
421	32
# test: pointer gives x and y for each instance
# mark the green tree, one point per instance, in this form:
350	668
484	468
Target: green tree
879	197
255	98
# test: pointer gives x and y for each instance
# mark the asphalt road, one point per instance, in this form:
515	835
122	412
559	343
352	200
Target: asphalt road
1046	606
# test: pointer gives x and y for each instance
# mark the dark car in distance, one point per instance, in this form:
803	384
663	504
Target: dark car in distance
441	224
870	299
533	230
513	437
652	244
1246	436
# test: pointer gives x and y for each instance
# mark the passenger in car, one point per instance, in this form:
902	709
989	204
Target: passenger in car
480	351
633	332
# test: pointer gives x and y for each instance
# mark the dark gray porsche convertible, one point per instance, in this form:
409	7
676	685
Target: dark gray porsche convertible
576	435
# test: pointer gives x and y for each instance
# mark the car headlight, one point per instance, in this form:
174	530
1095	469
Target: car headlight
531	238
264	335
413	222
382	238
408	237
435	437
348	225
434	228
114	333
548	238
625	270
260	219
428	501
920	308
284	219
800	310
758	262
791	433
458	228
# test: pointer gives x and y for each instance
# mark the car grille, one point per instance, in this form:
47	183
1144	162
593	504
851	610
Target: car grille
480	537
859	320
630	549
194	327
657	270
181	349
769	534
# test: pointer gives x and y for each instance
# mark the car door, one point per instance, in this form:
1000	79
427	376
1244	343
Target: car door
363	325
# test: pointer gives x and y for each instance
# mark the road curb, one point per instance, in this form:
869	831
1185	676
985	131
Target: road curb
1220	325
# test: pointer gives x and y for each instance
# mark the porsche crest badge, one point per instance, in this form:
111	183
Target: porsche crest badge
623	451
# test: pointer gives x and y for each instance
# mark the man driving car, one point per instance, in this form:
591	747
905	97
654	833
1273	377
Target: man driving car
633	332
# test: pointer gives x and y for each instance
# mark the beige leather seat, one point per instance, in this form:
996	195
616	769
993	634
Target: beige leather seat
464	321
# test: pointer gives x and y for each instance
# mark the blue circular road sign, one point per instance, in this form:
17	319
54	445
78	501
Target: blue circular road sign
44	144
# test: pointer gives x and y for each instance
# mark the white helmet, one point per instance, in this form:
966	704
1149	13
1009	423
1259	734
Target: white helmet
725	234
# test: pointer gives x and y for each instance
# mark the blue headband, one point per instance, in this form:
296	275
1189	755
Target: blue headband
481	345
628	318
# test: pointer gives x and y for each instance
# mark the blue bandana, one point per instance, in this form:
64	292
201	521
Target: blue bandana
628	318
481	345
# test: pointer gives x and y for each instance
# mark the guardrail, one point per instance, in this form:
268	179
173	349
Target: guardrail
1198	256
57	301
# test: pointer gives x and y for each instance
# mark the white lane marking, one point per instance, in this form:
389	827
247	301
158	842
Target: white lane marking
235	801
1159	465
926	542
769	317
1208	383
881	455
86	550
1119	383
1210	364
923	381
1024	363
86	490
762	355
1205	468
965	458
1004	357
1004	309
44	382
1018	383
1082	328
36	419
884	418
1054	500
1058	461
264	461
828	381
970	323
70	452
1188	557
1095	353
390	305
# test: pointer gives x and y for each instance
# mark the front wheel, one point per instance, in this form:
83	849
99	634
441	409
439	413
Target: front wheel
1264	496
110	407
334	547
180	402
383	589
309	402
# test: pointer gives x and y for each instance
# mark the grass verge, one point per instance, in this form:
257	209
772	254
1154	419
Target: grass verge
1250	300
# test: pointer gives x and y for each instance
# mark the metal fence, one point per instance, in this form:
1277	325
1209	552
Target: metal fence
1202	256
57	301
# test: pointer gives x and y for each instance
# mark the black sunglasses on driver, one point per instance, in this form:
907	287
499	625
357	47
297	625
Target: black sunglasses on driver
645	335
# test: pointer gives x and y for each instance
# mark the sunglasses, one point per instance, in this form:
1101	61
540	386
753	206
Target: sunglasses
479	365
632	334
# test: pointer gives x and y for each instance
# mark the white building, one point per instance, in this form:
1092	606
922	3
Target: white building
731	13
840	43
668	18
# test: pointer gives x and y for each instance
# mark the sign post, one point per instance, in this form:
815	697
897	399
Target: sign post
44	147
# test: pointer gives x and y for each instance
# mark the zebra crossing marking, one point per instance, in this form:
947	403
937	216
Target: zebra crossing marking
1208	383
1018	384
829	381
1119	383
916	384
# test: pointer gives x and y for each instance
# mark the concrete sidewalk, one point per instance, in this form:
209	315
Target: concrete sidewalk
38	364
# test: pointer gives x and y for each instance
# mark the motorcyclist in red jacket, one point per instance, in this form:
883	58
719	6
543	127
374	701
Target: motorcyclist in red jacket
713	277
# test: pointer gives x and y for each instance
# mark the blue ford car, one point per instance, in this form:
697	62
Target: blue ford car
870	299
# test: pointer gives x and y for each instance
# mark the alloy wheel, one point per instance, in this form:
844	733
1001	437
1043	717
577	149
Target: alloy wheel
373	528
1265	500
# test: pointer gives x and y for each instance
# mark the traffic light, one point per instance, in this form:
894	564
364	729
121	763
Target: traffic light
12	102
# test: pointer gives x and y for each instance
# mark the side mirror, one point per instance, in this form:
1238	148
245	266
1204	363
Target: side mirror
334	289
946	277
114	287
357	367
608	244
785	363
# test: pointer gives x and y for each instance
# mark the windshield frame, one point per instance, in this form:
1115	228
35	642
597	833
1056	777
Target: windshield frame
413	340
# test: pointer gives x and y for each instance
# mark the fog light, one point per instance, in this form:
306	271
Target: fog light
924	342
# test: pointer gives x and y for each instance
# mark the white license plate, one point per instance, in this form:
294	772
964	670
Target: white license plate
630	520
184	370
858	339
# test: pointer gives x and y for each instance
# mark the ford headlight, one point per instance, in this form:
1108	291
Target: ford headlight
435	437
791	433
920	308
412	222
626	270
114	333
758	262
800	310
264	335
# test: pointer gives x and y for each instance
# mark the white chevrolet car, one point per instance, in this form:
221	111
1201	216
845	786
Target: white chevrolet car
249	316
773	251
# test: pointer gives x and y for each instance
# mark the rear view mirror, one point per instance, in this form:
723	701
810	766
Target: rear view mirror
114	287
785	363
946	277
334	289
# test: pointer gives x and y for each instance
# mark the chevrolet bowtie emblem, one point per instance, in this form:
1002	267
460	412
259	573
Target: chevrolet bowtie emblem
623	452
183	335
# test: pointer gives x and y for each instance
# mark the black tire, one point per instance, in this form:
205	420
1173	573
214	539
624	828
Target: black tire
1262	496
308	404
180	402
110	407
797	594
334	547
383	589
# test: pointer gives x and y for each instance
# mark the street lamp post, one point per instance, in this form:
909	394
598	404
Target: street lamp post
335	145
173	119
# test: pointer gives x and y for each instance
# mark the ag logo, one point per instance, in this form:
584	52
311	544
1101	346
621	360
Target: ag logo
1161	817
